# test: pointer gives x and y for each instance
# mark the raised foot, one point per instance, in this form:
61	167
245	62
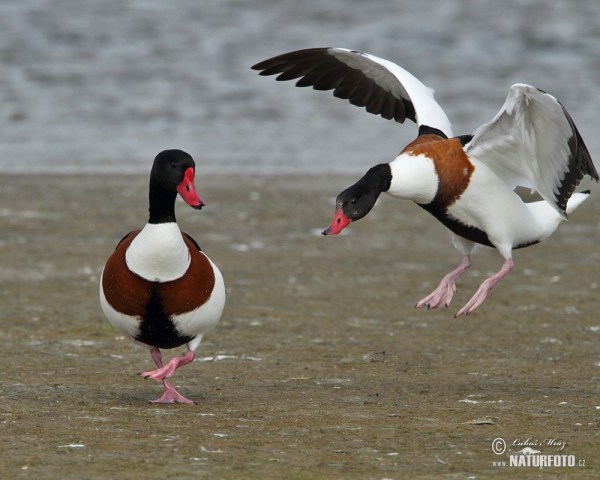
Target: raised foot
172	396
485	289
440	297
168	370
476	300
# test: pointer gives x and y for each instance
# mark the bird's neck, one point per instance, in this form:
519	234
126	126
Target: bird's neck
162	204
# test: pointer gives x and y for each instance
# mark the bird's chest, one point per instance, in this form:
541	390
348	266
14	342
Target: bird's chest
467	199
150	311
158	253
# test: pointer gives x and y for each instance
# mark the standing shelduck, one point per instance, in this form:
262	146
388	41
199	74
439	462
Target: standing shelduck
158	288
466	182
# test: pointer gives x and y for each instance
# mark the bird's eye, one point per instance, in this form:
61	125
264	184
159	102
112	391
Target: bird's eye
353	201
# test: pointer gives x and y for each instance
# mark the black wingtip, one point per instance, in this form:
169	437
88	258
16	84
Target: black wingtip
323	70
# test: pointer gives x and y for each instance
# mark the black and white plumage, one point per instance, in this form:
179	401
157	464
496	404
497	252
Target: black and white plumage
466	182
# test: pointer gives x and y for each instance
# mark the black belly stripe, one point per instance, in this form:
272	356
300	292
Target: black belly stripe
156	328
526	244
465	231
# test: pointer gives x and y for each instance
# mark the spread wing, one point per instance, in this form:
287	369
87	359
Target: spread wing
533	142
382	87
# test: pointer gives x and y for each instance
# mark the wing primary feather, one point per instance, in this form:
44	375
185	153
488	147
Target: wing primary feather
330	79
409	110
381	87
315	74
377	102
316	67
580	152
295	71
579	164
360	96
533	142
348	85
290	58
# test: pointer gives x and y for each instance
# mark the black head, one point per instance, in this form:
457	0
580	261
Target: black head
169	168
172	172
357	201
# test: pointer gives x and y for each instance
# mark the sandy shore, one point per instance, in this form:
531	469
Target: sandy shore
320	367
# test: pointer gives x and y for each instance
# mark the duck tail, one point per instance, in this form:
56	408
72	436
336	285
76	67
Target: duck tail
576	200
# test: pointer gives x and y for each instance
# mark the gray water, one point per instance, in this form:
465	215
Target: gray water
102	86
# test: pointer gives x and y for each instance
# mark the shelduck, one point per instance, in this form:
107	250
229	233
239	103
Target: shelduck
158	288
467	182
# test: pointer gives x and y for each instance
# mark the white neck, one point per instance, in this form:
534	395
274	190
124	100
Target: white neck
158	253
413	178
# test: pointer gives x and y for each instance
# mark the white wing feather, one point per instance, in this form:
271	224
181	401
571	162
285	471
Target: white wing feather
527	142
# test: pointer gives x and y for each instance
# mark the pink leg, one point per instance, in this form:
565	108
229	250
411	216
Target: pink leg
169	369
170	395
442	295
485	289
156	356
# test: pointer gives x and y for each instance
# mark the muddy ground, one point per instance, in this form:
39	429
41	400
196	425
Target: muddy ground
320	367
